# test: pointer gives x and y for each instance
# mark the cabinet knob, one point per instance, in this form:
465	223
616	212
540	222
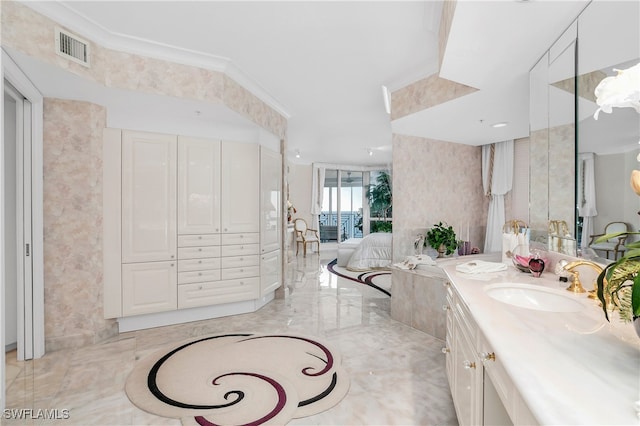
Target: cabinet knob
199	249
446	283
445	350
200	273
445	307
241	282
488	356
469	365
171	265
199	237
199	261
172	256
199	287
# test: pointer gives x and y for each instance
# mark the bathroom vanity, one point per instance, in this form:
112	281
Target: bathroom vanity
523	350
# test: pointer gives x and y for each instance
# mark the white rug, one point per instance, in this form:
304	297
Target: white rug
239	378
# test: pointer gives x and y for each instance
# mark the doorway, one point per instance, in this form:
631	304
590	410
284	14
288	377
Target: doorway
21	218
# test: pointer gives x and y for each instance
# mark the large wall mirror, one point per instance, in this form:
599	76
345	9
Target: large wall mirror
580	166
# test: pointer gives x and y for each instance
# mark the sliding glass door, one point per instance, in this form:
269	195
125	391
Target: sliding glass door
355	203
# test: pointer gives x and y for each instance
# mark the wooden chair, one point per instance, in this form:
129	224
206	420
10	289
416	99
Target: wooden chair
616	245
305	236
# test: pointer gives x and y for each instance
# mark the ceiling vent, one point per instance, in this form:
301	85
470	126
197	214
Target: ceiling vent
72	47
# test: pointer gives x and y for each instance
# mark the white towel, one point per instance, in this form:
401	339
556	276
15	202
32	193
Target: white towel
480	267
412	262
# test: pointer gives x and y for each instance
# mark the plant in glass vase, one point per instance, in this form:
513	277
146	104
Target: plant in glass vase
442	238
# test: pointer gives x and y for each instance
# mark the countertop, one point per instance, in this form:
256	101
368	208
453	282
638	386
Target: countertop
570	368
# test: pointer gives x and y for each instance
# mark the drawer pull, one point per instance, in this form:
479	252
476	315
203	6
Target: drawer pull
469	365
445	350
488	356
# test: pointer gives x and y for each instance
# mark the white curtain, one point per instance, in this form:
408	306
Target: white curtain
317	192
496	184
586	195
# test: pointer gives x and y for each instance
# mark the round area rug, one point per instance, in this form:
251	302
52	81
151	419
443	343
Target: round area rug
239	379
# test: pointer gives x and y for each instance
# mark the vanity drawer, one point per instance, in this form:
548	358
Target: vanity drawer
185	265
240	261
215	293
199	240
248	238
240	250
198	252
198	276
244	272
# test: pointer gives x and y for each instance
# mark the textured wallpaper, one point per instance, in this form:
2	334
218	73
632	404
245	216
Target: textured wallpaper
425	93
73	224
436	181
33	34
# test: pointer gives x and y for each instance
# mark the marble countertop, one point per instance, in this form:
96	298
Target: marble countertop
570	368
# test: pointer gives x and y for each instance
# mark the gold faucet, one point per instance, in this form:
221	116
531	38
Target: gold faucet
576	285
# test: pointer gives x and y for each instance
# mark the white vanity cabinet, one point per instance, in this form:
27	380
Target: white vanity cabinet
464	369
483	393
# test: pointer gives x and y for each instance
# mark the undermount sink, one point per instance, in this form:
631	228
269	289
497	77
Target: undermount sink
534	297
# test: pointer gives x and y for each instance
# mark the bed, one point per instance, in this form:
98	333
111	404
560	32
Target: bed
363	254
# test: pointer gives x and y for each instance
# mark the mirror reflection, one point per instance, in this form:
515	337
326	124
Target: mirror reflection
609	40
580	166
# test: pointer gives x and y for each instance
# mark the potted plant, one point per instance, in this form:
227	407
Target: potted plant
442	238
619	283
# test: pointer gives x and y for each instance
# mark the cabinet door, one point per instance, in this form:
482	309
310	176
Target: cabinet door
270	199
467	391
148	197
240	206
149	287
270	276
198	186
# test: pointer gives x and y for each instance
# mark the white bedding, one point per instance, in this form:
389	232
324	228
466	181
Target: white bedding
374	252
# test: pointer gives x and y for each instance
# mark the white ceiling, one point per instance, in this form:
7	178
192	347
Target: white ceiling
323	63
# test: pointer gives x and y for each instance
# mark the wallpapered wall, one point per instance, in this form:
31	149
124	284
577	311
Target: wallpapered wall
72	153
33	34
73	224
436	181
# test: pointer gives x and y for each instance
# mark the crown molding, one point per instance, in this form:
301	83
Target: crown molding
88	28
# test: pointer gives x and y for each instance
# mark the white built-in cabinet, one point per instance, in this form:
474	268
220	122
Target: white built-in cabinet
188	230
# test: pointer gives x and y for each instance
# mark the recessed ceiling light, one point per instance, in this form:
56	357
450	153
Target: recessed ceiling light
297	153
502	124
370	151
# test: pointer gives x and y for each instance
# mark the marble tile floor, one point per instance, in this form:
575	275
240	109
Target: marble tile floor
397	373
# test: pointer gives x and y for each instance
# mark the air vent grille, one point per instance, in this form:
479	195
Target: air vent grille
72	47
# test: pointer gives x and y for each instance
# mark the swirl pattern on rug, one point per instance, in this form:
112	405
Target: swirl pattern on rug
239	378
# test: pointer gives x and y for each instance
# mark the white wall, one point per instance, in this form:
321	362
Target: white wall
300	190
615	200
